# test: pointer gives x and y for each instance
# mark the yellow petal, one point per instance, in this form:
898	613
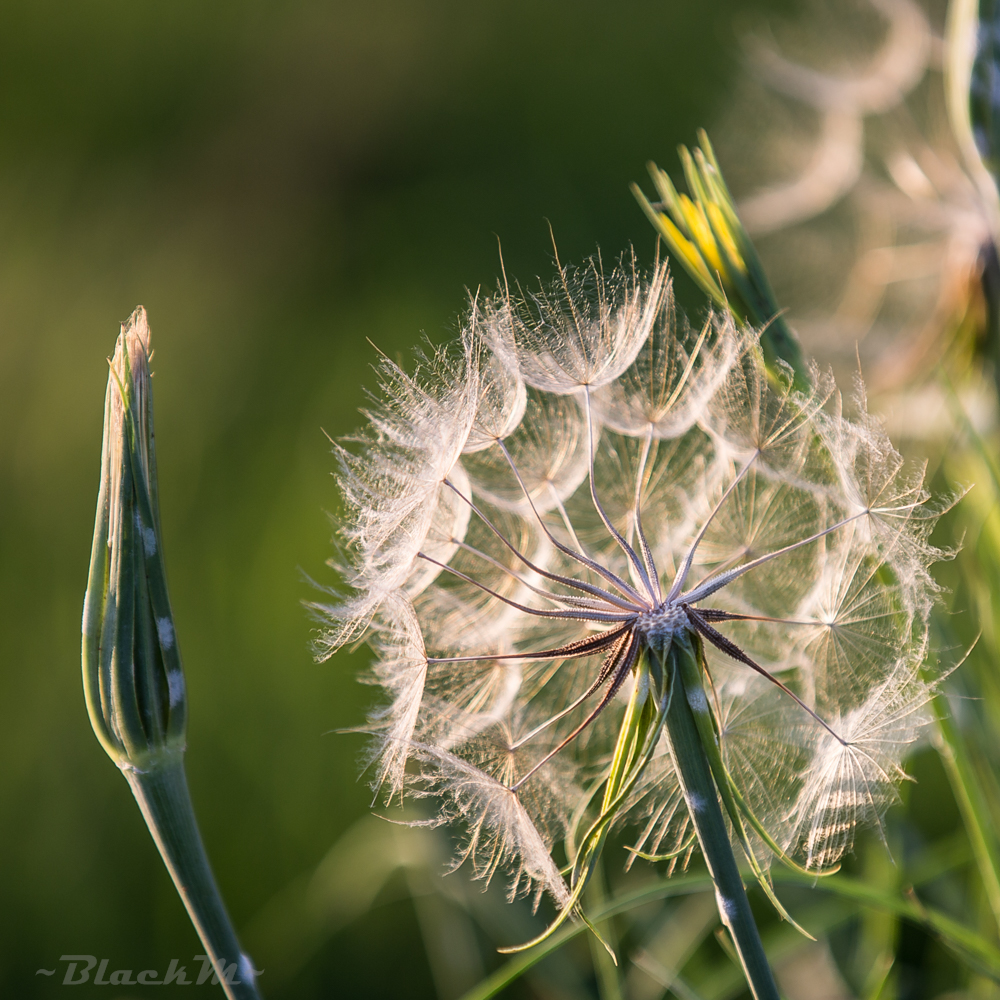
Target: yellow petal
701	231
725	235
687	251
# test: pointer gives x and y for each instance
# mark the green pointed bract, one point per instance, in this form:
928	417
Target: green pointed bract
705	235
637	739
132	676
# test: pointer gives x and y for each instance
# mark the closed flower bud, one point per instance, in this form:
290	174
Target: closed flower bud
132	674
131	668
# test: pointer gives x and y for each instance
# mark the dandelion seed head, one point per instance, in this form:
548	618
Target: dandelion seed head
584	479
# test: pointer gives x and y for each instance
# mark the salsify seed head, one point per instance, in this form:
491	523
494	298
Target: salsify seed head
576	483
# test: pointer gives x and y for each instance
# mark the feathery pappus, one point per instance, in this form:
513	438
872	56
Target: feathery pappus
541	514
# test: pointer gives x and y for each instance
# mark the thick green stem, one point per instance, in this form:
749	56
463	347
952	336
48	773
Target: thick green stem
162	794
702	799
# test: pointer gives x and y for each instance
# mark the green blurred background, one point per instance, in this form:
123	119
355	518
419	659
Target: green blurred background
275	183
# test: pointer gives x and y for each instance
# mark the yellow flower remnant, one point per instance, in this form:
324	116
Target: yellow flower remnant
704	233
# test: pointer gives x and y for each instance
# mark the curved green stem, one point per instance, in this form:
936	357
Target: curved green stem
163	797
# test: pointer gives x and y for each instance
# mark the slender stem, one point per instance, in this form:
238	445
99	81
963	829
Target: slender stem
163	797
702	799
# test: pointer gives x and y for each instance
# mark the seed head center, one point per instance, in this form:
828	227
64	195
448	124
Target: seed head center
663	622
